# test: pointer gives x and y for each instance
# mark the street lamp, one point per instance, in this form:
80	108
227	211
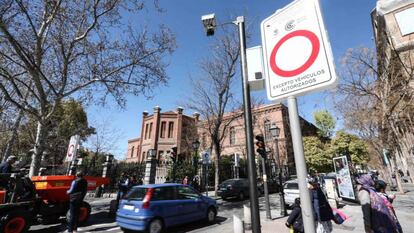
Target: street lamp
209	22
151	153
196	145
275	131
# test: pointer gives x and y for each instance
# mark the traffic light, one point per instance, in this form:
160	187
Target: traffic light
261	147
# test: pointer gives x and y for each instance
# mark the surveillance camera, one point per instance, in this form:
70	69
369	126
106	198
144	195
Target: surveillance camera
209	22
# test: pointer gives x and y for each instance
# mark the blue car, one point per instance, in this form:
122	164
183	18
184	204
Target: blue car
155	207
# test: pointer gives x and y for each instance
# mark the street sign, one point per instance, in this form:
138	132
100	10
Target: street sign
72	148
296	51
206	157
255	68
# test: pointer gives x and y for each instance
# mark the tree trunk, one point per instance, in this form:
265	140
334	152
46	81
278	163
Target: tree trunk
13	137
38	149
217	167
397	174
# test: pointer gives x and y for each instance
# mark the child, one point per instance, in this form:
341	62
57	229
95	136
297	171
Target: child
295	218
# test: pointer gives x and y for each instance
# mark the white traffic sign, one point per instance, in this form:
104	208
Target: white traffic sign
296	52
72	148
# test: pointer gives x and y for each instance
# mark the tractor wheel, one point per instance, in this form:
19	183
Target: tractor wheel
15	221
84	212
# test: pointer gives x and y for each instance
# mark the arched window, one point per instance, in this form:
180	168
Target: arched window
132	151
232	136
267	134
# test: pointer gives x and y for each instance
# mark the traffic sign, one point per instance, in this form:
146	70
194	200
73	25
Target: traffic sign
72	148
296	51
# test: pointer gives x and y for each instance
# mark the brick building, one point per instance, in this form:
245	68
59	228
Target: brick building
263	118
161	131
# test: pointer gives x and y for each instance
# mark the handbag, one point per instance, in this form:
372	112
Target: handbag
339	217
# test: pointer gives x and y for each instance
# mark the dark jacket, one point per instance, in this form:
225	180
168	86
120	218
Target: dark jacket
321	206
5	167
78	189
295	219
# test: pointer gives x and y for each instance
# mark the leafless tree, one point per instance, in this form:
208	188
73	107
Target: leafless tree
212	94
79	49
377	101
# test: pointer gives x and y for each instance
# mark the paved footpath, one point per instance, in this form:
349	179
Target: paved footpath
403	204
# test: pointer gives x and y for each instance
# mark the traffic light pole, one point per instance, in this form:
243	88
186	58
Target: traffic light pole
266	189
254	203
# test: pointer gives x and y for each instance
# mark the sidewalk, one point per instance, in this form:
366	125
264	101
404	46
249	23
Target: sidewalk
403	204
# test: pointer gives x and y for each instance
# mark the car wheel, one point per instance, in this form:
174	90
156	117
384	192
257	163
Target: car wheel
241	196
15	221
211	215
155	226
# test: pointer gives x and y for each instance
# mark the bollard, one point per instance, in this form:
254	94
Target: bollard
237	224
247	217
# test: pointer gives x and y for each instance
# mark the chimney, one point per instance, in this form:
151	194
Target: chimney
180	110
196	116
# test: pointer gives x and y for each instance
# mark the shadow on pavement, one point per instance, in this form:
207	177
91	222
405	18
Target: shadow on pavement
196	225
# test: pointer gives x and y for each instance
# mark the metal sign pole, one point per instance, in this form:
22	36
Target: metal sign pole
254	203
306	203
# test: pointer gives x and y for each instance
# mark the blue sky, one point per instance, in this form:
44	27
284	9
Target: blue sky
348	23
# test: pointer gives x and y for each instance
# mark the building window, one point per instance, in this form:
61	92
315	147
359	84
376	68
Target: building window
150	131
204	140
160	155
163	128
232	136
267	134
170	129
132	151
146	131
405	21
143	156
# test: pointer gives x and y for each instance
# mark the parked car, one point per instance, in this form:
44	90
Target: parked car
272	185
155	207
291	190
238	188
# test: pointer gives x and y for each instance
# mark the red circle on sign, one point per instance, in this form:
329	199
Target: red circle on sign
315	51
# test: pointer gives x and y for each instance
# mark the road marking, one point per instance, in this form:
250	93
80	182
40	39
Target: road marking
115	228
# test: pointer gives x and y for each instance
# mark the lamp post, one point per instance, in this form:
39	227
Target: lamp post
196	145
275	131
209	23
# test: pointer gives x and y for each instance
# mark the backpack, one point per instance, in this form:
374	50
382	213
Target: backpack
382	219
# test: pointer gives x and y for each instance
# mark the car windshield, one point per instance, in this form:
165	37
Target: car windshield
291	186
227	182
136	193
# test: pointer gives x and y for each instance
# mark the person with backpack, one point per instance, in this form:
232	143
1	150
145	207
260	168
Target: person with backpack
295	220
376	214
323	211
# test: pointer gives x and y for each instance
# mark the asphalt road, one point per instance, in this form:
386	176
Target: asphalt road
100	221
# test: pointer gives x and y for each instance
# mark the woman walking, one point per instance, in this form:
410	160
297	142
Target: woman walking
323	210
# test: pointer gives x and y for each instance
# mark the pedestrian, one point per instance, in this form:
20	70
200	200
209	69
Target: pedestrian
185	180
323	211
133	182
295	220
380	187
6	167
76	193
195	183
123	185
376	214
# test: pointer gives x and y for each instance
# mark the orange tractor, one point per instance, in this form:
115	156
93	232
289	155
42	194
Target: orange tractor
42	198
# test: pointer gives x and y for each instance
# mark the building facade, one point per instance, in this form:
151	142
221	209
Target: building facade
162	131
393	26
264	117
